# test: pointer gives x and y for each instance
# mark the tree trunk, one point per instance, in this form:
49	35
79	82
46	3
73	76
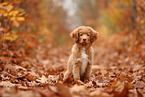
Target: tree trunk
134	13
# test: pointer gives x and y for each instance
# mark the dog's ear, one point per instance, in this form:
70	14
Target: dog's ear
75	35
94	35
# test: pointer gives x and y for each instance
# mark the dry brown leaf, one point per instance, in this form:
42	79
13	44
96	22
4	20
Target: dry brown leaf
139	84
123	93
138	93
7	84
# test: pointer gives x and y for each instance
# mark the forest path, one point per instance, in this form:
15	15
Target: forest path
42	74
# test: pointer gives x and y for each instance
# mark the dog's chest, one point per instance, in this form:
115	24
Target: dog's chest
83	60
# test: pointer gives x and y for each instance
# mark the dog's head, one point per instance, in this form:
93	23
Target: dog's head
84	35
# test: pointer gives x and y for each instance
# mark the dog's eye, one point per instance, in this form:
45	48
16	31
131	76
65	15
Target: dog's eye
88	35
81	34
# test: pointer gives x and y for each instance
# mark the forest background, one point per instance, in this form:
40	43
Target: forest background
35	45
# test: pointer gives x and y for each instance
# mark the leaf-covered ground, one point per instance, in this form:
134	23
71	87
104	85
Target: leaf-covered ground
115	73
32	66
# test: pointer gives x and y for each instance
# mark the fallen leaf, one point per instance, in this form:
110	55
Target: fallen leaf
43	79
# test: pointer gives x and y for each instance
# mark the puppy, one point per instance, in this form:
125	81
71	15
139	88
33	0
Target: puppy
81	59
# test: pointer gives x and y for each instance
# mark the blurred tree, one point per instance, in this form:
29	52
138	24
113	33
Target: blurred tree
48	18
10	19
134	13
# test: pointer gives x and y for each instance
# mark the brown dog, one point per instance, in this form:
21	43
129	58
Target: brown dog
81	58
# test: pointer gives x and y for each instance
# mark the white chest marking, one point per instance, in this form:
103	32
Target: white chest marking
84	59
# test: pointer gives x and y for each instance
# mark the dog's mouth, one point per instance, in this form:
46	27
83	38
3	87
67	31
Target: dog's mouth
84	43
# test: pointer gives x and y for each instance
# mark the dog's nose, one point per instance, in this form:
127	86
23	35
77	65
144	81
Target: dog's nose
84	39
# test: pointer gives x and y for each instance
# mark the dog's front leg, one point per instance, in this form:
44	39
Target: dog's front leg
76	71
88	71
69	68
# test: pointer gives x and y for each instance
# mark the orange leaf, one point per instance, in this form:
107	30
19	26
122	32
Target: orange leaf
13	13
21	13
9	7
12	18
20	18
16	2
4	3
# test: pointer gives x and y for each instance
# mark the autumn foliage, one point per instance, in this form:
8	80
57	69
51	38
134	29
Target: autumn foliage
35	46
